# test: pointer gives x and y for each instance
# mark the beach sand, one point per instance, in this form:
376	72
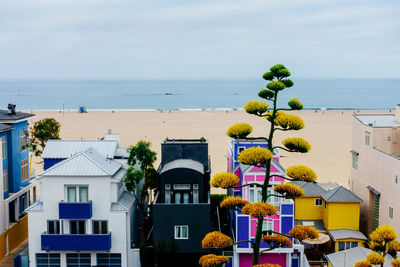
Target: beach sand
328	132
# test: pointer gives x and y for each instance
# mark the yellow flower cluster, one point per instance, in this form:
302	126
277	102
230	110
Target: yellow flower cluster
375	258
267	265
256	107
396	263
289	190
302	232
239	130
224	180
216	240
297	144
363	263
255	156
212	260
259	210
394	245
232	202
301	173
276	85
277	240
383	233
289	121
295	104
375	246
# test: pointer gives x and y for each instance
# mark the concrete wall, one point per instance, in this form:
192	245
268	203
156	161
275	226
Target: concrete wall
305	209
340	215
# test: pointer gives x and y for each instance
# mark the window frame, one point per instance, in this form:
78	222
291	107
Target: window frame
100	222
23	139
268	223
53	259
367	139
347	245
57	227
176	236
5	180
77	193
354	164
317	199
3	143
24	170
78	232
391	213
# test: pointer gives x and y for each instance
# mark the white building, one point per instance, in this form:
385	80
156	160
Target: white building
84	216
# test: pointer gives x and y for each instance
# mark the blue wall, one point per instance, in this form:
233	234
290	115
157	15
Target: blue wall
236	146
50	162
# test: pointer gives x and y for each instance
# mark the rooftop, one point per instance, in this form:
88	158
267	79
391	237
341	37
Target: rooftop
5	117
338	234
5	127
340	194
318	224
183	163
351	256
311	189
185	141
378	120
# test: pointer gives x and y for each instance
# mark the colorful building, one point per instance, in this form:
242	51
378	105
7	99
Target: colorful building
85	217
244	226
17	185
375	168
334	211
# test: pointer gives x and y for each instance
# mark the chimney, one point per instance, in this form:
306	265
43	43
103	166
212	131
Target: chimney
11	109
397	116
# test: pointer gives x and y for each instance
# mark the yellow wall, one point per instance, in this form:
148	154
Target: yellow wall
360	242
3	246
338	215
17	233
305	209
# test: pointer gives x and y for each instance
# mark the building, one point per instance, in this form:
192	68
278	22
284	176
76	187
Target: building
375	169
181	212
351	256
244	226
17	185
334	211
84	217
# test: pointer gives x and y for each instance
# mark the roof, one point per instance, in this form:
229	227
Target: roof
340	194
121	153
351	256
62	149
346	233
311	189
378	120
183	163
124	203
88	163
37	206
318	224
185	141
5	127
4	116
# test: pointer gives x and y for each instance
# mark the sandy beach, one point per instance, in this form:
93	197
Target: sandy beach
329	133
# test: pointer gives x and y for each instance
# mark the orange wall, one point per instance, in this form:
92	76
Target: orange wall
18	233
3	246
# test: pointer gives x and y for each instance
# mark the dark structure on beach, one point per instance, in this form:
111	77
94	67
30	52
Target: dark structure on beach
181	213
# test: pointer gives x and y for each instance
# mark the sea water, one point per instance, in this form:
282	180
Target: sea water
195	94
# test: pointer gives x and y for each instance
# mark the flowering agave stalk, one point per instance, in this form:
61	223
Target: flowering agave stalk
262	157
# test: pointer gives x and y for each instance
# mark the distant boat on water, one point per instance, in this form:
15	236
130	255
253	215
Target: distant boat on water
168	93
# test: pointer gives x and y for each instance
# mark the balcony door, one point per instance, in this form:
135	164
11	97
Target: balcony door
181	197
77	227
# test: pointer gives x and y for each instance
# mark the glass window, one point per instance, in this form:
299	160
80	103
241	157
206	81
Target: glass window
268	226
341	246
196	194
24	170
83	194
100	227
181	232
77	227
109	259
3	146
259	196
240	149
167	196
71	191
251	192
181	186
24	140
396	179
354	244
195	186
390	212
53	227
186	198
318	202
5	180
47	260
78	260
177	198
355	161
367	138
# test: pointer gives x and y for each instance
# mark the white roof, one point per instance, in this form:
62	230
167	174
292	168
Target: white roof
87	163
183	163
378	120
62	149
125	202
37	206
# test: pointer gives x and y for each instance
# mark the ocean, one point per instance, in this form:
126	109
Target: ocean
195	94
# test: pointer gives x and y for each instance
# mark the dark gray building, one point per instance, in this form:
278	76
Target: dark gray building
181	213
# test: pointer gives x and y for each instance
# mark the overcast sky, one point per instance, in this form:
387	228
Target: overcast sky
198	39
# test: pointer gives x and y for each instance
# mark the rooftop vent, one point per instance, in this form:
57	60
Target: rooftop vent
11	109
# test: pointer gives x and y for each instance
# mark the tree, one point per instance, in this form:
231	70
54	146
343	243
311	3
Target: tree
382	242
41	132
261	157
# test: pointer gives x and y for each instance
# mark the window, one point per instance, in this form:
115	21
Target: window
100	227
355	161
4	146
255	194
396	179
53	227
168	194
109	259
177	198
268	226
318	202
186	198
195	193
78	260
391	213
181	232
72	196
47	260
181	186
240	149
77	227
24	170
24	140
347	245
5	180
367	138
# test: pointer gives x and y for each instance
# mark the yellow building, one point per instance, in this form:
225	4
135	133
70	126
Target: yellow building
333	210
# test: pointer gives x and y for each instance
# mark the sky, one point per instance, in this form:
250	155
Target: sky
198	39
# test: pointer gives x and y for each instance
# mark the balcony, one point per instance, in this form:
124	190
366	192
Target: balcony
66	242
75	210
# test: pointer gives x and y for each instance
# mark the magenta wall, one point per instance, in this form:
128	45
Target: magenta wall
246	260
